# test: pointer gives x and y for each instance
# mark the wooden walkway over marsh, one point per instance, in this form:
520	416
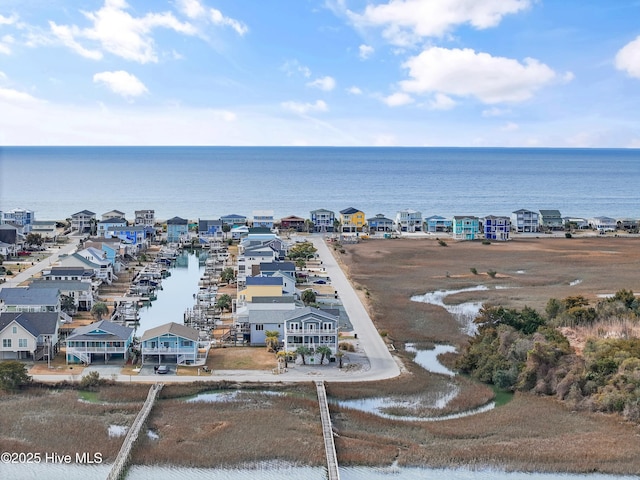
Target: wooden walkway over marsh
327	433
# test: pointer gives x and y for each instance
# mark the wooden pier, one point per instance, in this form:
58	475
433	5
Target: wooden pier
120	464
327	433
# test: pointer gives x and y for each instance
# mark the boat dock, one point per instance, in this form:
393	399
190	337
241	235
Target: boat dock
327	433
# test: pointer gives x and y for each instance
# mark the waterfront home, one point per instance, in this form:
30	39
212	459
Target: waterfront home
134	238
627	224
262	314
28	335
177	230
80	291
18	216
113	214
466	227
270	286
352	220
83	221
68	273
262	219
145	218
239	231
269	268
170	343
408	221
102	272
323	220
47	229
380	223
436	223
233	219
106	224
28	299
293	223
252	253
550	220
101	264
525	221
101	341
210	230
576	223
312	328
496	228
111	249
603	224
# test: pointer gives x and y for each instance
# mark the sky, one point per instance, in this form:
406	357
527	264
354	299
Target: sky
467	73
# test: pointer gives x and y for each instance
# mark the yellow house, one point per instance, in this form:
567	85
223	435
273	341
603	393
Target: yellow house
352	220
261	287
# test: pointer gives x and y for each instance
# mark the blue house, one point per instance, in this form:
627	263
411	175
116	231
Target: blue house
170	343
210	229
466	227
323	220
105	225
134	235
436	223
233	219
380	223
497	228
177	230
103	340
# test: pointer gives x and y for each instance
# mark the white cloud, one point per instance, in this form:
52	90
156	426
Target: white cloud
114	30
442	102
398	99
194	9
293	67
191	8
218	19
354	90
8	20
365	51
405	22
628	58
304	108
324	83
466	73
16	96
121	82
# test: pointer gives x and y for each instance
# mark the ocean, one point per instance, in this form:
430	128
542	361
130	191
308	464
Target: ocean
208	182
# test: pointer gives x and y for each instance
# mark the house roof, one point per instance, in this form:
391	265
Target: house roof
177	221
349	211
379	218
61	285
173	329
72	271
232	215
29	296
460	217
277	267
321	210
114	211
550	213
270	299
264	281
36	323
83	212
292	218
114	220
435	217
110	331
306	311
524	210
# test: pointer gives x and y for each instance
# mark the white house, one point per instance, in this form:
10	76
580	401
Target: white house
408	221
312	328
28	335
603	224
525	221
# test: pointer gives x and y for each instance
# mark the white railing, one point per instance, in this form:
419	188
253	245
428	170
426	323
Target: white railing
86	350
308	331
178	350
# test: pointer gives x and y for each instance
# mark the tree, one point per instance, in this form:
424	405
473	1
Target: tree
303	352
34	239
99	310
324	351
13	375
272	340
339	355
224	302
302	250
308	297
67	304
309	225
228	275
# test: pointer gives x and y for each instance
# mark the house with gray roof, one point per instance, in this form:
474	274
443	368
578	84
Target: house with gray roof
101	341
28	335
550	220
525	221
323	220
82	221
27	299
310	327
263	314
106	224
177	230
170	343
81	292
380	223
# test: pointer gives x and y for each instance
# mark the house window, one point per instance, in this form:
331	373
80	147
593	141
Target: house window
6	342
15	329
22	343
259	326
327	326
295	326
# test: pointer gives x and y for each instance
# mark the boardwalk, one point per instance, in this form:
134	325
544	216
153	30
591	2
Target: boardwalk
120	464
327	433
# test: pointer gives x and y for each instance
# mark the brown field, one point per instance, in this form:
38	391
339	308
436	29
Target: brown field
529	433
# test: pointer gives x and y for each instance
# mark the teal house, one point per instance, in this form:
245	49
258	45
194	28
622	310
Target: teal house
466	227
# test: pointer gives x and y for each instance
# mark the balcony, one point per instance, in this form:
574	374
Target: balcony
311	331
84	350
168	350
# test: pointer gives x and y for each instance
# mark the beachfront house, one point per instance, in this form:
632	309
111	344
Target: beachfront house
83	221
106	224
233	219
262	219
209	230
550	220
47	229
466	227
436	223
170	343
177	230
28	335
312	328
100	341
145	218
408	221
380	223
628	224
18	216
496	228
603	224
292	223
323	220
576	223
352	220
113	214
525	221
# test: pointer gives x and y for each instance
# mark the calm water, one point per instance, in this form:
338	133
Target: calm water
207	182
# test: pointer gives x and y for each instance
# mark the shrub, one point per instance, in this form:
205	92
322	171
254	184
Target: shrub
346	346
474	270
567	235
442	243
492	273
90	381
486	242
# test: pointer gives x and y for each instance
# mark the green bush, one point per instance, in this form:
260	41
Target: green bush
492	273
474	270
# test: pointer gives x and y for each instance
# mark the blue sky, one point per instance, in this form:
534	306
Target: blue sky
547	73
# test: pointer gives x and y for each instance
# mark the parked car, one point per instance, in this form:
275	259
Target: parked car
320	282
162	369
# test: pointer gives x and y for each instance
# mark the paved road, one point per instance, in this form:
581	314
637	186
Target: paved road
381	364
